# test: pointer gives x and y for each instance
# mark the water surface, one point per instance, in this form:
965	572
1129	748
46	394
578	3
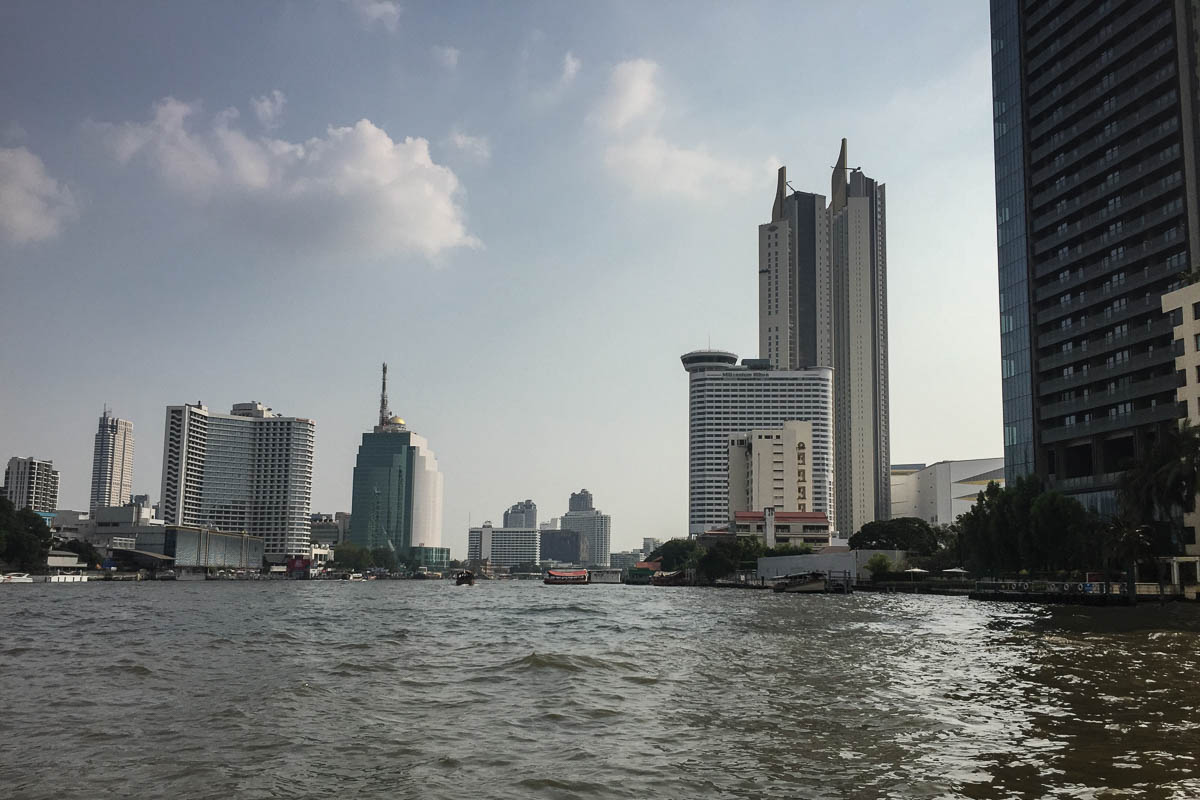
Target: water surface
427	690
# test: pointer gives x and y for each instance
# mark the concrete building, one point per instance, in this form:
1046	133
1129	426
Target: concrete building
649	545
112	463
521	515
1098	214
725	400
785	528
940	493
31	483
199	550
594	528
769	468
549	525
504	547
397	492
1183	306
823	302
560	545
329	528
624	560
247	471
110	527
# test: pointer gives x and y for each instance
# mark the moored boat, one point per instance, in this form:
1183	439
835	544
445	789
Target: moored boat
803	583
565	577
16	577
676	578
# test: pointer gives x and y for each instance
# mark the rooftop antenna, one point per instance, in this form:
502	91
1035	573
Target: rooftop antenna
383	409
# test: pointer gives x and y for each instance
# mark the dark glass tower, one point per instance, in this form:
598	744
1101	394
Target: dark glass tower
1096	149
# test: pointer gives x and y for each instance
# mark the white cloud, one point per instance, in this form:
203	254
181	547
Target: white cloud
477	147
570	69
33	206
269	108
632	94
352	188
385	12
653	165
640	154
446	56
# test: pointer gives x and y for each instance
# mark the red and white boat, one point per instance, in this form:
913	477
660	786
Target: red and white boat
558	577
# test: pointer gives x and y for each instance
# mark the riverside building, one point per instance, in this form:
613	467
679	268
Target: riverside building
940	493
1183	306
726	400
822	301
112	463
31	483
769	468
1096	152
397	489
248	471
593	526
504	547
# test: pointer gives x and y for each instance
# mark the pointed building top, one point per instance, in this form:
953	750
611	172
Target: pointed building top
837	189
780	196
384	413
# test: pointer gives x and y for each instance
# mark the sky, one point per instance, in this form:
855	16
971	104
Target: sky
529	210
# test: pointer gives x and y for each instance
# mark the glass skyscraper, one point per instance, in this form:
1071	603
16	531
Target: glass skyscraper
1096	150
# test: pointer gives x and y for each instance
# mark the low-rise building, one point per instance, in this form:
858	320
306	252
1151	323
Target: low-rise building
940	493
435	559
625	560
782	528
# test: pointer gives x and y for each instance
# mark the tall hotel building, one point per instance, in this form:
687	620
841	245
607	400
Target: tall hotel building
397	489
247	471
822	301
1096	145
726	401
112	463
31	483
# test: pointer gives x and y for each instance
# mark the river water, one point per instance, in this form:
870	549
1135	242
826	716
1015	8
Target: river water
427	690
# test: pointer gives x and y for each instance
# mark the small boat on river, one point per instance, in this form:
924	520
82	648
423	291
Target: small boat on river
803	583
16	577
565	577
464	578
676	578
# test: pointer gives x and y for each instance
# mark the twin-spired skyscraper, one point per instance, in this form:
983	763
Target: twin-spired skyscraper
822	302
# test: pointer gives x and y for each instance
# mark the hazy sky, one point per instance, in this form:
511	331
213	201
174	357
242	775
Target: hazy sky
530	210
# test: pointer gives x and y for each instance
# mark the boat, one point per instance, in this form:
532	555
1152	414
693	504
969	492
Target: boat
676	578
357	576
16	577
803	583
565	577
464	578
604	576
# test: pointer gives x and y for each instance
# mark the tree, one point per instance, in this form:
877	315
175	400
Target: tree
676	554
89	554
903	533
384	558
25	537
350	556
1162	487
878	564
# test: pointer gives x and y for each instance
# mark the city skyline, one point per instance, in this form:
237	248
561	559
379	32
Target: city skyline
545	117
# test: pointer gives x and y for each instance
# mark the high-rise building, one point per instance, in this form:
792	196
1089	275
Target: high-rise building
397	490
726	400
521	515
549	525
31	483
770	468
822	301
559	545
593	526
1098	214
112	463
580	501
649	545
504	547
940	493
246	471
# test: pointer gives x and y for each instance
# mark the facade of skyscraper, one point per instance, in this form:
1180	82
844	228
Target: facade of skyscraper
593	526
521	515
504	547
822	301
560	545
31	483
112	463
397	489
249	471
726	400
1096	150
